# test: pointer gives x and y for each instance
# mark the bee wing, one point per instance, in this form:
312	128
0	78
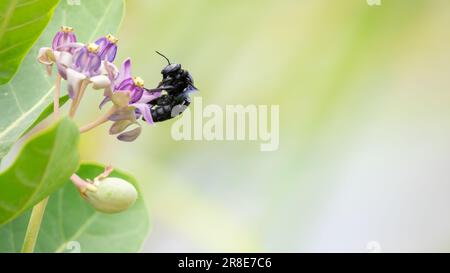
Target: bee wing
191	89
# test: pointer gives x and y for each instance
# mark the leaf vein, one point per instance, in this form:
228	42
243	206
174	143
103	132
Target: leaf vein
8	16
79	232
27	3
11	28
102	19
14	46
25	114
13	92
11	237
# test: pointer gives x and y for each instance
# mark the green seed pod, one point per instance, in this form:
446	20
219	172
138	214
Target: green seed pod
112	195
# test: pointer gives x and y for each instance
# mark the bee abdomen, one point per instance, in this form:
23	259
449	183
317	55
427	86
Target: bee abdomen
161	113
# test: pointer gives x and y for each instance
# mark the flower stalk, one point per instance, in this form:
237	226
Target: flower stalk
77	99
56	97
82	185
37	214
34	226
99	121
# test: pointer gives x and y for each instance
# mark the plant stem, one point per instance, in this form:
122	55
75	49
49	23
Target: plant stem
56	96
77	181
98	121
82	185
76	101
33	226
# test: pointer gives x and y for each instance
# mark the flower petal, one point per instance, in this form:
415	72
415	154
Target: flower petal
108	50
63	61
148	97
144	109
104	101
125	71
121	98
127	113
57	39
49	69
111	53
108	94
46	56
62	39
119	126
86	62
62	71
130	135
74	80
109	69
71	46
126	84
102	42
100	82
63	58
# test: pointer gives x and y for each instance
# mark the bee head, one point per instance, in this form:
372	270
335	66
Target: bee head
171	68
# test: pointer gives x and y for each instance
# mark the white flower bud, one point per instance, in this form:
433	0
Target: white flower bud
112	195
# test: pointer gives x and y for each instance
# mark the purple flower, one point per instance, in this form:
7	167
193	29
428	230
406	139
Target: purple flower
108	48
123	81
86	66
63	46
130	98
63	37
87	61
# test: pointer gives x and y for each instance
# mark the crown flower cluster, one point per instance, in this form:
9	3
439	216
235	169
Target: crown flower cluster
85	65
92	65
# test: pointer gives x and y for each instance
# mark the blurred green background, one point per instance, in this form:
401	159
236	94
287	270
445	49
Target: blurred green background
364	125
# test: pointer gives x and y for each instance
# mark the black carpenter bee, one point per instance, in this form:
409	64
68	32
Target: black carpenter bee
177	84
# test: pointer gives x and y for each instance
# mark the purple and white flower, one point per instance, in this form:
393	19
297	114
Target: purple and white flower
78	63
63	37
92	64
86	67
130	97
108	47
60	53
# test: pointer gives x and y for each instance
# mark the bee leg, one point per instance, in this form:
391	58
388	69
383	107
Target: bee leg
159	89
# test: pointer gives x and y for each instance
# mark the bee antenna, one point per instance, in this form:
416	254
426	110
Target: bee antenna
163	56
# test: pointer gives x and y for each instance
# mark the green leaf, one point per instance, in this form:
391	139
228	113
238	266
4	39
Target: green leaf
13	233
31	90
21	24
70	221
44	164
46	113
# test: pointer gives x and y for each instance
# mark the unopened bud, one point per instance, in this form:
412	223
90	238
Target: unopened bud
112	195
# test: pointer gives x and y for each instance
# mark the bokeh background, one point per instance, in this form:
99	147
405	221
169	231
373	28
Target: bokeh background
363	161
